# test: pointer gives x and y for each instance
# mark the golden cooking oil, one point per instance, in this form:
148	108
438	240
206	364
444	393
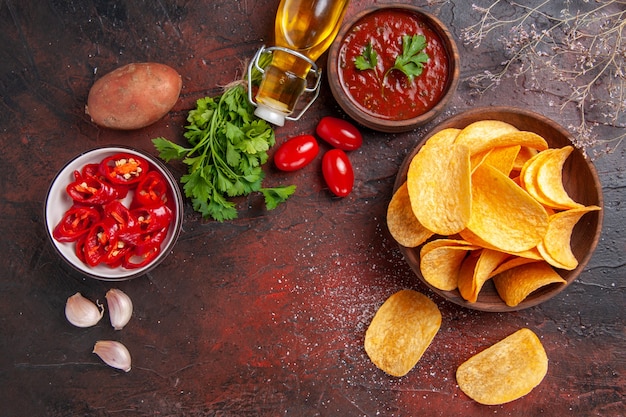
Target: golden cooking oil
307	27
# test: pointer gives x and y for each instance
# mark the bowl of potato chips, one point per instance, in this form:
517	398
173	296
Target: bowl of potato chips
496	209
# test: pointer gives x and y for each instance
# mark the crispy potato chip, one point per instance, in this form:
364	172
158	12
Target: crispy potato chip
549	179
512	263
502	158
505	371
545	255
470	237
438	181
444	137
476	270
528	177
556	244
401	221
515	284
440	262
488	134
524	155
401	330
504	215
478	136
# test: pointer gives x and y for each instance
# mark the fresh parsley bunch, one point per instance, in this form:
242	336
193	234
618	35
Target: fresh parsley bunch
228	146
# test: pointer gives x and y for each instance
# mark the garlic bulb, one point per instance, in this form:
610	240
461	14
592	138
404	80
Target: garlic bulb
113	354
120	308
82	312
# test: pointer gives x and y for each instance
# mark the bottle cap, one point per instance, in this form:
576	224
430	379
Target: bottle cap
271	115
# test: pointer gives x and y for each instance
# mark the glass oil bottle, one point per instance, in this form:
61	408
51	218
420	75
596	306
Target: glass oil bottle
304	30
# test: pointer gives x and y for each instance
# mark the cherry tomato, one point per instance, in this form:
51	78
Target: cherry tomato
338	172
339	133
296	153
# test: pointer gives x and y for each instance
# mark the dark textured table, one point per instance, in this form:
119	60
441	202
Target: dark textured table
264	315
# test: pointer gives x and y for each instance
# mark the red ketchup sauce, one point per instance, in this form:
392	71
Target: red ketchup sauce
397	98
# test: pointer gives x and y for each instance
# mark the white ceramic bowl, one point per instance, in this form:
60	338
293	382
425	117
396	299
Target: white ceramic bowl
58	202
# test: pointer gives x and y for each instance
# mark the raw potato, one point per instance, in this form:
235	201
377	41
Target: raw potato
401	330
133	96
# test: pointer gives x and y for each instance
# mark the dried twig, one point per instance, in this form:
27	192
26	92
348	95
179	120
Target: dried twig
584	51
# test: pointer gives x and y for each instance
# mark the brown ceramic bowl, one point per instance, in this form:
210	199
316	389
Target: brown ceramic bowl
580	180
384	109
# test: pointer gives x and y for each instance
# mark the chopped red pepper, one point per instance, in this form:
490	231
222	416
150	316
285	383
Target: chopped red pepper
116	253
104	229
134	260
124	168
121	214
100	239
80	248
152	218
75	223
152	190
91	190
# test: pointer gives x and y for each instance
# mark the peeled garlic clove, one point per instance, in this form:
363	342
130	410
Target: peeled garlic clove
82	312
120	308
113	354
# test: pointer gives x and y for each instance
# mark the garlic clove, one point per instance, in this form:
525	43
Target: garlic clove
82	312
120	308
113	354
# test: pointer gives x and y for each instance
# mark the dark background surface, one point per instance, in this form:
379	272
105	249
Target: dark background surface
264	315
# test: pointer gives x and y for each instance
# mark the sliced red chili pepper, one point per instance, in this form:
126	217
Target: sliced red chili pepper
151	191
80	248
151	225
153	218
92	170
134	259
100	239
116	253
75	223
124	168
90	190
121	214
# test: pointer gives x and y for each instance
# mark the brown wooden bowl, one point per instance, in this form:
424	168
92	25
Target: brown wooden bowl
580	180
369	118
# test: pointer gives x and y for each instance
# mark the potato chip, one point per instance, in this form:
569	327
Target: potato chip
501	158
524	155
504	215
476	270
556	244
515	284
488	134
505	371
401	221
477	136
512	263
438	181
549	179
440	262
528	177
470	237
401	331
443	137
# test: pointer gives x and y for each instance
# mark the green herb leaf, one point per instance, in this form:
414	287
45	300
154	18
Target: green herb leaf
229	147
411	61
368	58
275	196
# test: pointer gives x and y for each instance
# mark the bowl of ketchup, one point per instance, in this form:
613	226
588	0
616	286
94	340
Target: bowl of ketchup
393	67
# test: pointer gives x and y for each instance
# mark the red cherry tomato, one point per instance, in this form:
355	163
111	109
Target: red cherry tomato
338	172
296	153
339	133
